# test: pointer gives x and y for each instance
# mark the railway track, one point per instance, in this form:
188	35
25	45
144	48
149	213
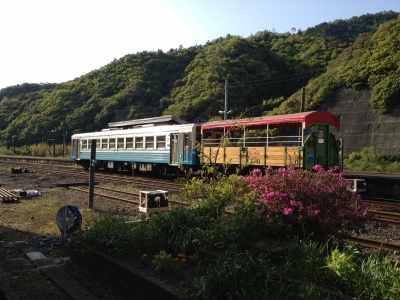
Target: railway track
134	198
119	195
375	244
83	176
383	205
388	218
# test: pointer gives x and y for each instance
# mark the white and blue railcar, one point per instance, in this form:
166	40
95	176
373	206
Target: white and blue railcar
146	148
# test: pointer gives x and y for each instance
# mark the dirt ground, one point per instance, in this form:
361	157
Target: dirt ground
35	218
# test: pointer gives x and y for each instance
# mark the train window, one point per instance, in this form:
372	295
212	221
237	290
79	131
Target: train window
89	144
112	143
84	144
98	143
187	139
129	143
149	142
321	136
186	146
139	143
120	143
104	143
160	142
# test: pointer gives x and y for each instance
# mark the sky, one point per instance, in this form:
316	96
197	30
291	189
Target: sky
57	40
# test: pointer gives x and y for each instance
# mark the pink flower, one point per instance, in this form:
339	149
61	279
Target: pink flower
287	211
318	168
321	197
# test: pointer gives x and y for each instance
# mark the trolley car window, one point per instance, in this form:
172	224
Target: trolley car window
186	145
89	144
112	143
139	143
149	142
321	136
84	144
129	143
160	142
98	144
104	143
120	143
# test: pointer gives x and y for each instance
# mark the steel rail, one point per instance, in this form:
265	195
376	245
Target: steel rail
105	195
374	244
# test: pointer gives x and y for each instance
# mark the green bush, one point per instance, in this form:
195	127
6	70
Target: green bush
163	262
369	160
305	259
233	276
245	224
177	230
111	234
247	275
370	276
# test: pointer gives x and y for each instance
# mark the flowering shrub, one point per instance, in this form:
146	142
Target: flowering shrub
180	260
317	201
164	263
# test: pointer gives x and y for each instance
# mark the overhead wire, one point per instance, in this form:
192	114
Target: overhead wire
273	80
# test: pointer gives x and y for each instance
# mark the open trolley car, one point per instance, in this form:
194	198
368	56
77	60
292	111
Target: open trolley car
303	139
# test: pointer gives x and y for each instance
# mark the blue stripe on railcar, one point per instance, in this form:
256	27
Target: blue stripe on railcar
130	156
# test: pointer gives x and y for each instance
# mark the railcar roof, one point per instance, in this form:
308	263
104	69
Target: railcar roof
163	120
165	129
308	118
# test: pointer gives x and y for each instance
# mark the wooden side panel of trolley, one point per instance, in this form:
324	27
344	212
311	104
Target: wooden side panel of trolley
274	156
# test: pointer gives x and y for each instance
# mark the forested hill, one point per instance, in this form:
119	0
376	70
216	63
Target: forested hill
265	71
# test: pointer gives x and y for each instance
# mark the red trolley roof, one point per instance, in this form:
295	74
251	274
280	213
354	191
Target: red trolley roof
308	118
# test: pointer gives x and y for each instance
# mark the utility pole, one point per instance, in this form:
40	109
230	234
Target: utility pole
303	99
226	100
13	137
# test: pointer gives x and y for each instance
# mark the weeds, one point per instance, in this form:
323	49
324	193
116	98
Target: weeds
111	234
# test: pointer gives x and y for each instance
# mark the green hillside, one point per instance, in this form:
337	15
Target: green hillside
371	62
265	70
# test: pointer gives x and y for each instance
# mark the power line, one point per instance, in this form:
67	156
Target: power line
274	79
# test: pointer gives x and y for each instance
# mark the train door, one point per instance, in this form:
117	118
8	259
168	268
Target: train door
77	149
174	148
321	151
184	147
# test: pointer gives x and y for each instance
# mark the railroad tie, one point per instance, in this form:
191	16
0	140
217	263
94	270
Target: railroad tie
6	195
